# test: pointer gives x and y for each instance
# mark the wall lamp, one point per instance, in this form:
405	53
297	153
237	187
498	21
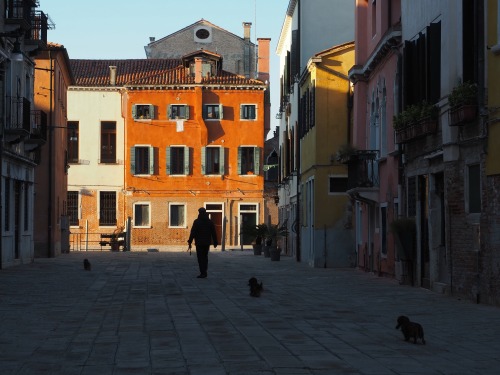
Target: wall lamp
16	53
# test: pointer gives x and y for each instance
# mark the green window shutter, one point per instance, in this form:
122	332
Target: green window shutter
168	160
169	111
241	112
221	111
253	112
221	160
204	111
203	161
151	111
132	160
187	112
239	160
256	160
134	111
186	160
151	160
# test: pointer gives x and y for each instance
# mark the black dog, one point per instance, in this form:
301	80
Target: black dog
410	329
255	287
86	265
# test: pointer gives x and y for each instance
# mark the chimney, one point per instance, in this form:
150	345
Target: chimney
246	30
197	70
152	39
263	59
112	75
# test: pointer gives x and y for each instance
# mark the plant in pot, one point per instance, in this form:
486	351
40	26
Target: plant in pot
257	234
275	232
463	103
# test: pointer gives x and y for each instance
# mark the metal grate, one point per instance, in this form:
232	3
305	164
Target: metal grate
107	211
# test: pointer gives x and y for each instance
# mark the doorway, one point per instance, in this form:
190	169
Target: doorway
248	216
215	212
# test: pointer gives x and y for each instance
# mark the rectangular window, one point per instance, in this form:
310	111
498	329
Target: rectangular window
141	215
212	160
412	196
6	205
143	111
73	141
26	206
212	112
248	160
248	112
107	208
474	189
178	160
337	184
178	112
72	209
108	142
142	160
177	215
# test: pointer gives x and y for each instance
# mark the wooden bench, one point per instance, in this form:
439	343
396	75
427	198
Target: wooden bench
115	240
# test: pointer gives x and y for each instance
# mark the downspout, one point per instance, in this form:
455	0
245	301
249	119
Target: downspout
51	134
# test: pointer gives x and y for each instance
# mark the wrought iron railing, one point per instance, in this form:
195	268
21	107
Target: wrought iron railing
362	169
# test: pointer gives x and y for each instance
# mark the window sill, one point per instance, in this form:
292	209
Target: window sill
142	227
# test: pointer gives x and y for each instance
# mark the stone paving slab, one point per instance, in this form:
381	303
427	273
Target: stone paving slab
147	313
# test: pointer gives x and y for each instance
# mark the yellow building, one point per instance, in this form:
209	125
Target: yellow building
324	123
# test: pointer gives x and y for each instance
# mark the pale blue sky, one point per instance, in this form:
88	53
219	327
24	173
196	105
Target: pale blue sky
119	29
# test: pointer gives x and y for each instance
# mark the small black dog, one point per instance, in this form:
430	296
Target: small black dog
410	329
86	265
255	288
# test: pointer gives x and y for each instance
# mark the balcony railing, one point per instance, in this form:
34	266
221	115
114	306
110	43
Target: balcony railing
18	117
416	130
362	168
40	25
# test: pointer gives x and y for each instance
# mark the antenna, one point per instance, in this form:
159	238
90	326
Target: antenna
255	40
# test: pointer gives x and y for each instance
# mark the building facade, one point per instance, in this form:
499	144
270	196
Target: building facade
373	161
299	41
23	29
52	78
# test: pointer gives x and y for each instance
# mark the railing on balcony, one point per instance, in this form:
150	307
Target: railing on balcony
39	121
362	167
417	130
18	117
41	23
20	12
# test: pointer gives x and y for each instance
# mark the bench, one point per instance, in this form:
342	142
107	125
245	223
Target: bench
115	240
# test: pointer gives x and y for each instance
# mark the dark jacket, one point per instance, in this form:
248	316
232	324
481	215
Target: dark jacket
203	231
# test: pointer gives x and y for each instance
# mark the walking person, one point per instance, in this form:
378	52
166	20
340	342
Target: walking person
203	233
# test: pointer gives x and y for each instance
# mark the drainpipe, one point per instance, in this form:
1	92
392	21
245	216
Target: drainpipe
51	134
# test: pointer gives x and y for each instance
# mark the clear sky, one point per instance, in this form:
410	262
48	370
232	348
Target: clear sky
119	29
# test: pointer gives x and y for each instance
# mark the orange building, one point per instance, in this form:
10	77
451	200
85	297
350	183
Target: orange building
194	138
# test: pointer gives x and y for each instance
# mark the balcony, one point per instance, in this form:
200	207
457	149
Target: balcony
37	36
362	177
18	124
19	13
38	135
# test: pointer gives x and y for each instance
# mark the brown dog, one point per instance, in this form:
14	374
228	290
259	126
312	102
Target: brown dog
410	329
86	265
255	288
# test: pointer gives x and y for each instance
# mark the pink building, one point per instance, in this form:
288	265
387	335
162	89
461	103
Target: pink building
373	163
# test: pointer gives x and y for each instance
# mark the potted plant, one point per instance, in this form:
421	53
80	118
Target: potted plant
463	103
415	121
275	232
257	234
345	152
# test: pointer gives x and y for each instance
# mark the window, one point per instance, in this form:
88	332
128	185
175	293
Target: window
212	112
143	111
108	142
178	111
177	215
178	160
72	210
107	208
248	112
212	160
474	189
383	230
73	141
248	160
6	205
141	215
142	160
337	184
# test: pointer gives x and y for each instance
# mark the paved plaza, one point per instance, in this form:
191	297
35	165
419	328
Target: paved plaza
147	313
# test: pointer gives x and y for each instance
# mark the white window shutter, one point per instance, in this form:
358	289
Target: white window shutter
168	159
186	160
151	160
221	160
256	160
203	160
239	160
132	160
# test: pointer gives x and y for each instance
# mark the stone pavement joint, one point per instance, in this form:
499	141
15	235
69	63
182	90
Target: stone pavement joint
147	313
